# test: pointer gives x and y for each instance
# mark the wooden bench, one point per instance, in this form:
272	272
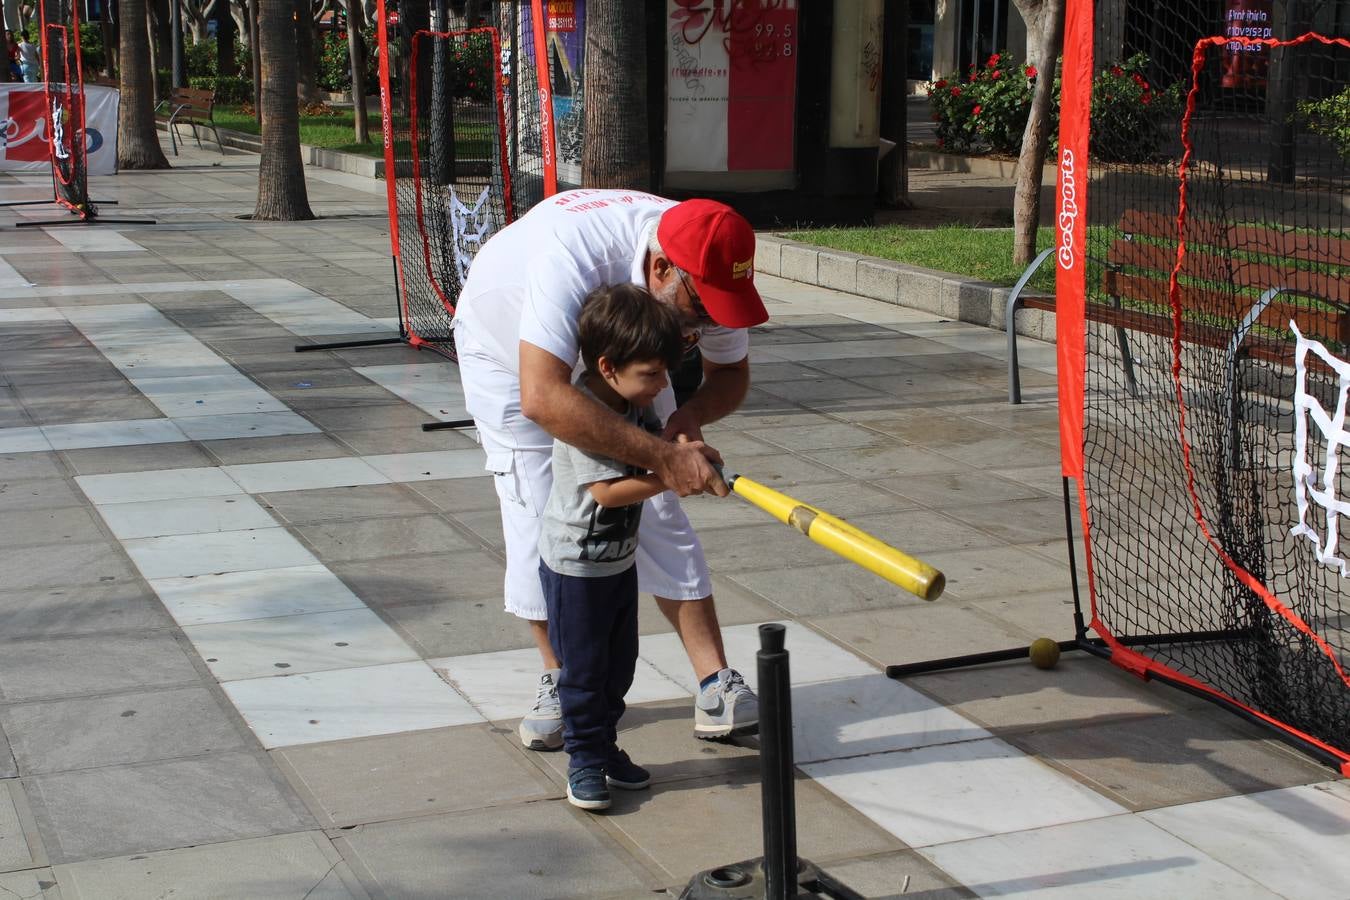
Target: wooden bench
1137	271
188	106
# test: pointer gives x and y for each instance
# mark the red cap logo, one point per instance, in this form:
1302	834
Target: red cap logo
716	246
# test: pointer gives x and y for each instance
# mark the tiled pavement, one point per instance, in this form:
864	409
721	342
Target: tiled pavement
251	642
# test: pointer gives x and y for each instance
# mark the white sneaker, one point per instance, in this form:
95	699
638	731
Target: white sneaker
726	707
542	727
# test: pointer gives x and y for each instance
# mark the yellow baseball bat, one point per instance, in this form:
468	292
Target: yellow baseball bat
838	536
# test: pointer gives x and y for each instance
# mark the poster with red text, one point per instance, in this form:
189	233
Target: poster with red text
731	85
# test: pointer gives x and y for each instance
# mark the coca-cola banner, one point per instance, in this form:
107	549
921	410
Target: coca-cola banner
23	141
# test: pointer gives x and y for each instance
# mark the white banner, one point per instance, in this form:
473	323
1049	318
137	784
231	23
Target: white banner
23	140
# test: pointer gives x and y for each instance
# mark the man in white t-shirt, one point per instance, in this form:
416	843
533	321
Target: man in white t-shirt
516	337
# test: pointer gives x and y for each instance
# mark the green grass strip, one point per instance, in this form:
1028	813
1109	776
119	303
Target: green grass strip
983	253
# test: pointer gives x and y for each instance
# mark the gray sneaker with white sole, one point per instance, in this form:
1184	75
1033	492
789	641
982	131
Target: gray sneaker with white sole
542	727
726	708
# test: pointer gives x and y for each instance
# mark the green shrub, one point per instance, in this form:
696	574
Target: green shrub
334	62
91	48
988	109
1330	118
200	58
1130	117
229	89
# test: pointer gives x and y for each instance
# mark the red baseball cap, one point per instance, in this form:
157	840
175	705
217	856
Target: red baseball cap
716	246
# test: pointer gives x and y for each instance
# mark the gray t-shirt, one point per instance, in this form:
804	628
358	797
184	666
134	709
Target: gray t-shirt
580	537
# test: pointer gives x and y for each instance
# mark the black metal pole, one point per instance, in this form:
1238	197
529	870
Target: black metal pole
775	765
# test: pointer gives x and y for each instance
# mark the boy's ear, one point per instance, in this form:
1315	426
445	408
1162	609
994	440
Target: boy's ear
604	368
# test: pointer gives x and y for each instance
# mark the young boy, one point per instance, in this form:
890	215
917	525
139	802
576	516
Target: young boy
589	538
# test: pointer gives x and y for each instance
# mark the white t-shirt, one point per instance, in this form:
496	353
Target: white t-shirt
528	281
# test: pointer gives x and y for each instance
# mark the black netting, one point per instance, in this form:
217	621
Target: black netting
467	138
1190	478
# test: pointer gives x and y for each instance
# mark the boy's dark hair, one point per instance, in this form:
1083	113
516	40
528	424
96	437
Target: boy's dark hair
624	323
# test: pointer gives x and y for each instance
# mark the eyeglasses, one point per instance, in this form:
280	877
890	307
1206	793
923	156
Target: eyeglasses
699	309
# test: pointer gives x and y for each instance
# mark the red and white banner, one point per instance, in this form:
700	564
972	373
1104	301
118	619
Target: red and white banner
23	128
731	85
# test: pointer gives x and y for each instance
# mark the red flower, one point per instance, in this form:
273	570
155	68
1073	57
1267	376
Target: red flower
996	74
977	109
956	92
1031	71
1139	80
940	84
1117	71
991	61
1147	98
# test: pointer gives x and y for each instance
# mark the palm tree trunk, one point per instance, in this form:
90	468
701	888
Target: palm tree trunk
281	173
614	150
137	138
226	63
306	71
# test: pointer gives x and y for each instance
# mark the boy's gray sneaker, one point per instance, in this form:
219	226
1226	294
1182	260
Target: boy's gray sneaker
726	707
542	727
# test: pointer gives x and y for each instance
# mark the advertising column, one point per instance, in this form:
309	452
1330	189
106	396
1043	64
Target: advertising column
731	93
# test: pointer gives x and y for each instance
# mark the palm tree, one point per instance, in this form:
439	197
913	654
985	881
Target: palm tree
615	147
281	173
137	138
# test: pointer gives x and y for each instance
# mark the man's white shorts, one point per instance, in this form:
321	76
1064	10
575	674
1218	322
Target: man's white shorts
670	560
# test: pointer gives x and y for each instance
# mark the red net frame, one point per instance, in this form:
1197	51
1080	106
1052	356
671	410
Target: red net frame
1294	623
65	114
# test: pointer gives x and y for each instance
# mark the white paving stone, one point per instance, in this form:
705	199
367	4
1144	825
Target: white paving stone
24	439
431	465
953	792
159	484
502	685
258	648
1271	837
191	515
305	475
232	596
348	703
1117	857
122	433
245	425
94	240
225	551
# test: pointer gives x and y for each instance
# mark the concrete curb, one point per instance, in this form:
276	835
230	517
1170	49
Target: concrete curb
941	293
351	163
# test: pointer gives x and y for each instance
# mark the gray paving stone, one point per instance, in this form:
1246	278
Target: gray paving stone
65	525
688	826
95	411
825	590
302	378
302	866
1016	521
61	735
158	806
413	774
75	666
485	524
458	627
56	566
468	575
659	737
994	572
923	531
458	494
893	876
1188	756
492	853
917	632
82	609
139	458
284	448
358	502
406	436
884	462
41	394
760	547
820	437
947	491
822	392
38	493
380	538
782	471
19	847
8	768
31	884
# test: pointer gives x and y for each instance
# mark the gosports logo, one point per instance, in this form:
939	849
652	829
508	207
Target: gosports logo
1068	209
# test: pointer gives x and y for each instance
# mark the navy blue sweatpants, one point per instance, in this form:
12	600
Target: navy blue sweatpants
593	627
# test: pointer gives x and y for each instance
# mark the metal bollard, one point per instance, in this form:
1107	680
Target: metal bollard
779	874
